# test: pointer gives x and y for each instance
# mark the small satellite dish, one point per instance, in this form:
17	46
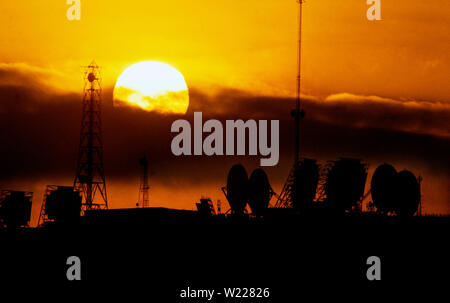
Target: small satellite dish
91	77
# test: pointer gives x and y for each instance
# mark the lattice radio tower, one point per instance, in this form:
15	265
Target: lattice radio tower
285	198
143	188
90	177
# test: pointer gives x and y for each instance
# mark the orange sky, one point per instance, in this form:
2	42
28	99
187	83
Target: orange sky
242	44
248	44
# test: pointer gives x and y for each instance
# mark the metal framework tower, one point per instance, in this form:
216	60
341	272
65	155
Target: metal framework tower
143	188
90	177
43	217
285	198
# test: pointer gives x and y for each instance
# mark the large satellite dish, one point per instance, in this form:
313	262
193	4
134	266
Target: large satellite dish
259	192
345	184
407	196
382	187
306	178
237	188
91	77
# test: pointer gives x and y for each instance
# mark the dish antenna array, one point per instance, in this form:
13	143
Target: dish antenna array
242	190
285	198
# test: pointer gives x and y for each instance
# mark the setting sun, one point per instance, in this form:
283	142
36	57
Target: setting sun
152	86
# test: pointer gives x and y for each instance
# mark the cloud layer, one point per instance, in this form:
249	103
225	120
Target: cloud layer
39	134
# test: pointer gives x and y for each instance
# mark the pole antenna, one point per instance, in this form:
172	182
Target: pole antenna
285	198
298	113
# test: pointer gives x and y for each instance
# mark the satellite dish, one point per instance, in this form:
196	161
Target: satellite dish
383	187
306	178
91	77
407	196
259	192
237	188
345	184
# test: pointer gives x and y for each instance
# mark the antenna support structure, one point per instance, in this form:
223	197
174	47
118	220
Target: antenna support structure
90	176
143	187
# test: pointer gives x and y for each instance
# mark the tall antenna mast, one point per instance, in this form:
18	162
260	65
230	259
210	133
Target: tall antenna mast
285	198
90	177
298	113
